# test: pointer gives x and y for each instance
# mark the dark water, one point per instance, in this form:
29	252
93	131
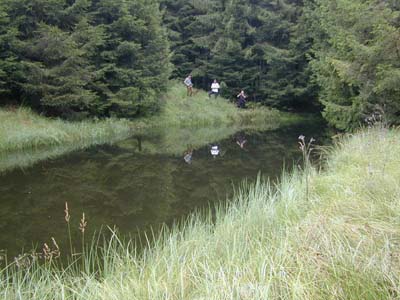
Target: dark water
136	184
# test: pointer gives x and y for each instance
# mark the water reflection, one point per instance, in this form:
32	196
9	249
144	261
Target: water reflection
214	151
188	155
140	182
241	140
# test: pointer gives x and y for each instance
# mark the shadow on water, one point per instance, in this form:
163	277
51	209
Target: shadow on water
142	182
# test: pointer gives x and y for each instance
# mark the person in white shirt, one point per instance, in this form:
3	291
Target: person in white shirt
189	85
214	89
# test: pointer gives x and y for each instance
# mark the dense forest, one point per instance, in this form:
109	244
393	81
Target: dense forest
80	58
98	57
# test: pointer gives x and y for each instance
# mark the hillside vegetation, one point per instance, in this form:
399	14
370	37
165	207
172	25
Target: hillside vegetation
113	58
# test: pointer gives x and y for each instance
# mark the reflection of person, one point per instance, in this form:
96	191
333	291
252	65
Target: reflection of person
241	99
240	140
139	141
188	156
214	151
189	85
214	89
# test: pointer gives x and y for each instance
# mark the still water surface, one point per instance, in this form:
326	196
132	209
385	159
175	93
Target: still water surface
138	183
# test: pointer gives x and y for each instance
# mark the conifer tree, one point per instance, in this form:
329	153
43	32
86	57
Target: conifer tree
192	29
8	66
246	45
258	51
99	57
357	60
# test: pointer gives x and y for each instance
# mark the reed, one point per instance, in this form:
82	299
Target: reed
306	150
67	218
269	242
82	227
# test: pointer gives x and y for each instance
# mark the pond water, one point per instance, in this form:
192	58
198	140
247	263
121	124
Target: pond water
139	183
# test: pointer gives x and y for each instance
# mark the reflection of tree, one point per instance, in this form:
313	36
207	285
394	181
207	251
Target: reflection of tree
171	144
176	140
113	187
131	188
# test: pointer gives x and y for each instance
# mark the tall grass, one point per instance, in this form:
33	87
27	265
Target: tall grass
26	138
270	242
201	111
22	129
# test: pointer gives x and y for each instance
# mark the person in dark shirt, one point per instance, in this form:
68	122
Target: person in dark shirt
241	99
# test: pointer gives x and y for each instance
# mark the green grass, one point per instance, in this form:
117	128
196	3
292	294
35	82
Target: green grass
22	129
200	110
271	242
26	138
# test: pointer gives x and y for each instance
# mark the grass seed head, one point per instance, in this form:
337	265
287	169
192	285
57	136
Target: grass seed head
83	223
66	210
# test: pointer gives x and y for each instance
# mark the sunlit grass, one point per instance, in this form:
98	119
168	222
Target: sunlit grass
177	140
199	110
26	137
271	242
22	129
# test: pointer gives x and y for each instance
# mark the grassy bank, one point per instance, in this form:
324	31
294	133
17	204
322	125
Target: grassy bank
200	110
331	235
22	129
26	137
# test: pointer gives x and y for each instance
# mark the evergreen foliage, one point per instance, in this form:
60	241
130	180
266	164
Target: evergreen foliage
96	57
112	57
193	31
253	46
357	59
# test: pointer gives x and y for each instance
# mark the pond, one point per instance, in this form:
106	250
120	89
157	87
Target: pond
140	183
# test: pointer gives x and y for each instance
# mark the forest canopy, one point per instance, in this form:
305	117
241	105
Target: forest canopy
116	57
356	60
94	57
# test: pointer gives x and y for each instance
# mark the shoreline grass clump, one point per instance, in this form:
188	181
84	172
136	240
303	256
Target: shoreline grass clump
269	242
22	129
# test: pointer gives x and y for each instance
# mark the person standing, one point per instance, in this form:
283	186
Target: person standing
214	89
189	85
241	99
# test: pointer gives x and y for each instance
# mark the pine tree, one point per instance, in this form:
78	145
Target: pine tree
245	45
228	62
96	57
133	61
192	29
258	51
10	70
357	60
